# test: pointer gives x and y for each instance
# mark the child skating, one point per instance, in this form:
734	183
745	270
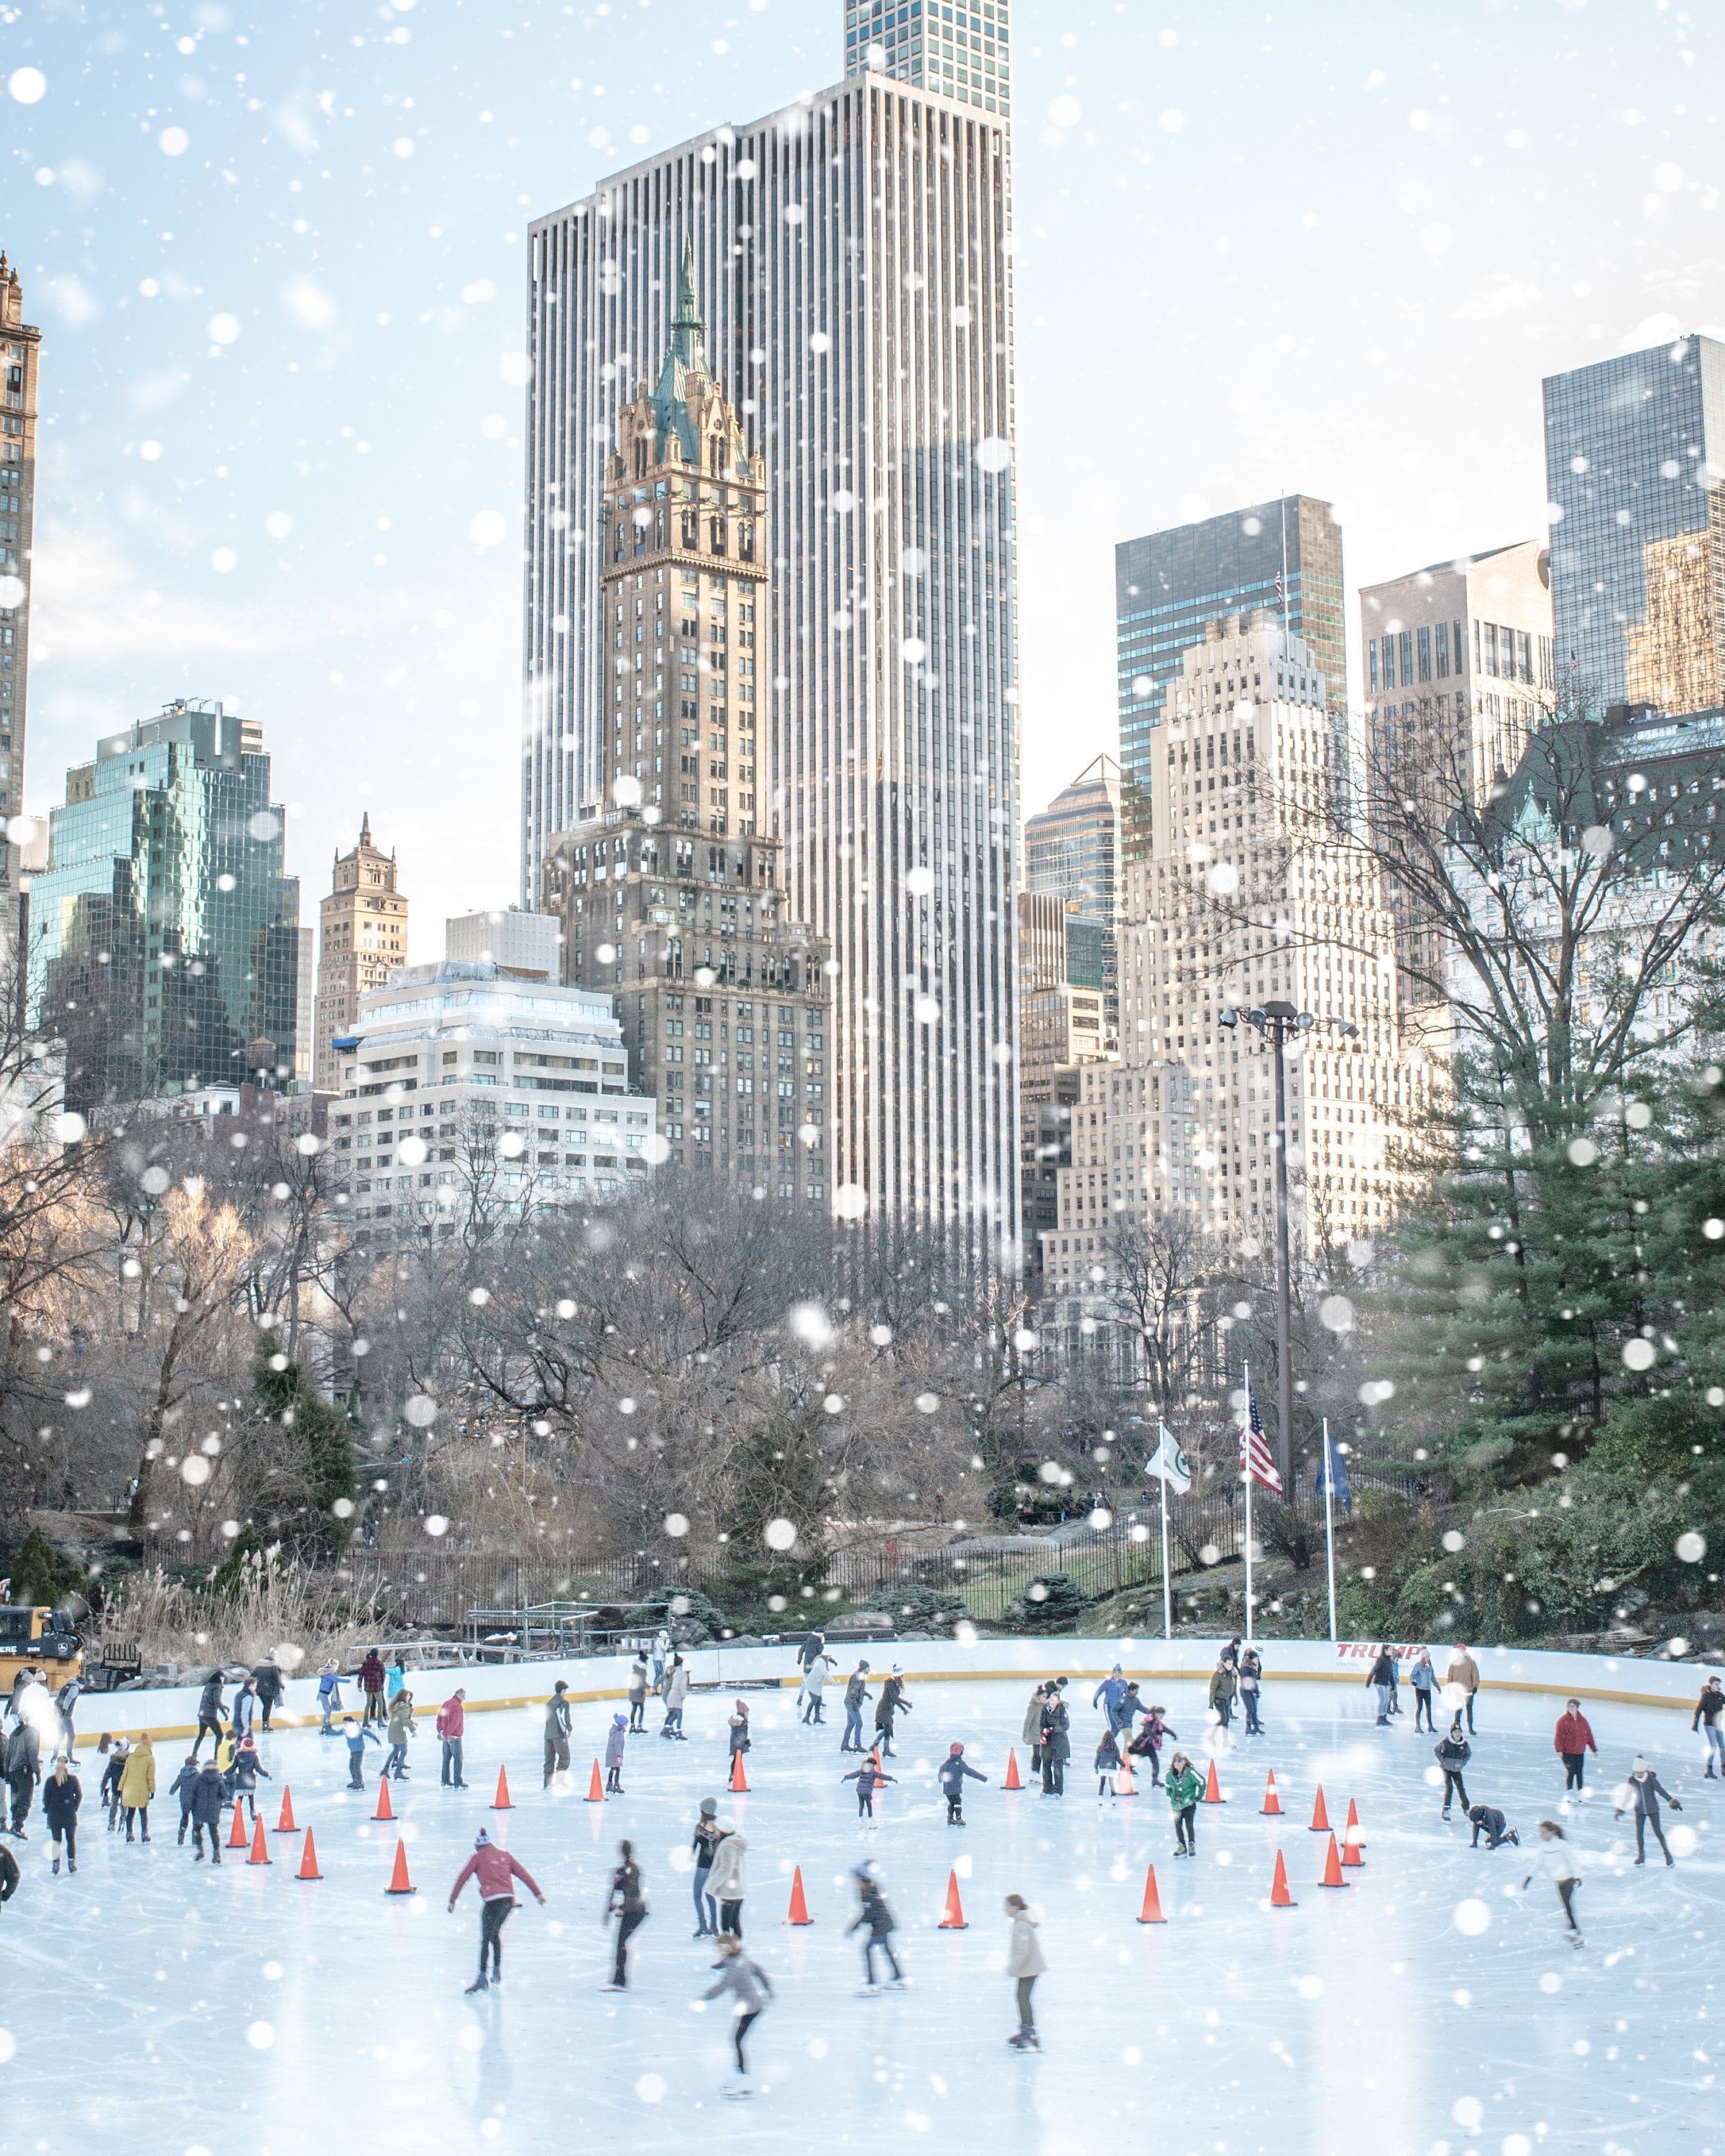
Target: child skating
358	1734
1107	1763
616	1738
951	1776
1183	1789
868	1778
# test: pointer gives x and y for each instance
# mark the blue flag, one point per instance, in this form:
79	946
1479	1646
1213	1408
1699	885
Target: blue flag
1332	1475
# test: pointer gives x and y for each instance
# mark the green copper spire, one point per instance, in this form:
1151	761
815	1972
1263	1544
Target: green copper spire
684	354
688	331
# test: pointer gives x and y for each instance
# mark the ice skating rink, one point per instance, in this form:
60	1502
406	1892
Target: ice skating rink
157	2006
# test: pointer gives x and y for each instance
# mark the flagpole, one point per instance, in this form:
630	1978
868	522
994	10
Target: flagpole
1246	1454
1167	1597
1330	1526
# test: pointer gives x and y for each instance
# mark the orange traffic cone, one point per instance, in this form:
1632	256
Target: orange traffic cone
798	1912
399	1882
236	1839
260	1848
1280	1897
595	1787
739	1780
284	1825
308	1862
1352	1840
1124	1785
1012	1770
1151	1913
1271	1803
500	1803
385	1811
1333	1868
1213	1789
1320	1817
877	1762
953	1921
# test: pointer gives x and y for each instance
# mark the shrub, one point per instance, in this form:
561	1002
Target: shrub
38	1576
918	1609
1053	1603
1284	1531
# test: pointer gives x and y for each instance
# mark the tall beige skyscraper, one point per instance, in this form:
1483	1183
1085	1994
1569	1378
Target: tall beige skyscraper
363	933
20	350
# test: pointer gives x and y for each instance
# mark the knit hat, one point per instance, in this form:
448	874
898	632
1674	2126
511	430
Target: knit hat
865	1870
955	1749
482	1840
619	1721
709	1808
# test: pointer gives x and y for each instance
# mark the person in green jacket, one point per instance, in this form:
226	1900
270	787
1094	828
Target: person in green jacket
1184	1786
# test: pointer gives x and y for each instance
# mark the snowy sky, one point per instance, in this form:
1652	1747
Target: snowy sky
278	252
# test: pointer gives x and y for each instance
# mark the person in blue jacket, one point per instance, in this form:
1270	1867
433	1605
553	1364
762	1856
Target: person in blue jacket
1109	1694
951	1775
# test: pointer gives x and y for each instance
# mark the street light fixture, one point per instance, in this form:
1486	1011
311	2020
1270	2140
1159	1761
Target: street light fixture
1275	1021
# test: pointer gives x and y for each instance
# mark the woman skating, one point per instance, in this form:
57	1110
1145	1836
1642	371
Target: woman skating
1107	1762
702	1843
748	1986
401	1726
108	1790
1572	1741
873	1913
206	1811
1552	1857
1184	1789
1643	1792
1225	1682
1424	1679
62	1793
1148	1743
891	1703
1251	1679
1381	1679
628	1903
615	1738
728	1880
246	1768
1025	1964
739	1727
137	1785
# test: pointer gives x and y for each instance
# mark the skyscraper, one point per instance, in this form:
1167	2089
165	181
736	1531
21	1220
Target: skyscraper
1072	853
851	254
962	51
164	937
20	350
1634	457
1283	556
363	933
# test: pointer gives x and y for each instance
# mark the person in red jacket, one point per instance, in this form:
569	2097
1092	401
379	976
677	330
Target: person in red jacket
451	1720
1575	1740
494	1868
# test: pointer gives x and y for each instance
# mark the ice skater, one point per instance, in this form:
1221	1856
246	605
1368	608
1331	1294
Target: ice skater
1031	1734
1148	1743
451	1723
1573	1742
638	1693
495	1870
1710	1716
616	1736
329	1696
1251	1678
676	1692
373	1677
1489	1821
358	1735
856	1698
1225	1682
210	1714
401	1726
184	1786
108	1790
1056	1745
702	1843
1109	1694
23	1770
1025	1964
1553	1857
1452	1752
1381	1679
62	1793
1461	1680
1642	1792
10	1876
1107	1763
1423	1679
728	1880
814	1689
749	1989
267	1678
873	1912
739	1727
207	1812
558	1722
951	1775
628	1903
891	1703
246	1768
137	1786
869	1778
1184	1789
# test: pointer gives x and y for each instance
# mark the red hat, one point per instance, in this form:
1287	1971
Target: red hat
955	1749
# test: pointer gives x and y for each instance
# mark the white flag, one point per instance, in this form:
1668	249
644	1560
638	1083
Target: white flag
1172	1465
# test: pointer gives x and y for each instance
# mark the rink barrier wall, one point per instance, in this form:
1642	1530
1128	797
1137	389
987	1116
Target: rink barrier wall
171	1714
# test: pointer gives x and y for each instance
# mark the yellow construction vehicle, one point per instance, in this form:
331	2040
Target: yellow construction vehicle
37	1639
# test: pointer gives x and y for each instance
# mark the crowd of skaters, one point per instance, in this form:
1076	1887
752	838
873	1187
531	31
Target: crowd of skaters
1132	1729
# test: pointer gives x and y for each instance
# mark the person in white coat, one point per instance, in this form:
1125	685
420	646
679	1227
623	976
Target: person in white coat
810	1693
1554	1857
728	1880
1461	1680
1025	1964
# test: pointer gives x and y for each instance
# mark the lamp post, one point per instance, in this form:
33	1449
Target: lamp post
1275	1021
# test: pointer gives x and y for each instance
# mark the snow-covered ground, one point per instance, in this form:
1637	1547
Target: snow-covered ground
160	2007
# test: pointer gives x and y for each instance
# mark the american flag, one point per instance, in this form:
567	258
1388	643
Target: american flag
1254	1457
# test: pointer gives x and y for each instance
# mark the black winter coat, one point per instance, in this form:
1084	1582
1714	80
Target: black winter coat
61	1800
207	1798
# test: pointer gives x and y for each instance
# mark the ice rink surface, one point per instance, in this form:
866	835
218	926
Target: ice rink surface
158	2006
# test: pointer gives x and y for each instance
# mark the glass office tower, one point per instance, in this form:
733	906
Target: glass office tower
961	51
1635	458
1284	556
164	937
851	257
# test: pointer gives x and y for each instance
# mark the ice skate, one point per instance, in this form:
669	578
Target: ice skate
868	1991
479	1983
56	1865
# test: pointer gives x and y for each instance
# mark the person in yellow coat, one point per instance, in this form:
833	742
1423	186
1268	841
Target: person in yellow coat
137	1785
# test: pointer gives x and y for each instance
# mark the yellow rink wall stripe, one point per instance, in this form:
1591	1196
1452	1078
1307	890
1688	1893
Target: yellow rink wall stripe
1140	1672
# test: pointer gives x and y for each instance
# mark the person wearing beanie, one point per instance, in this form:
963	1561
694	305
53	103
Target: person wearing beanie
615	1738
1642	1792
702	1844
557	1720
868	1778
951	1775
495	1870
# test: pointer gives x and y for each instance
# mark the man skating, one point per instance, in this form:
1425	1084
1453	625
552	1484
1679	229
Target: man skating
856	1698
557	1722
451	1721
1452	1753
494	1868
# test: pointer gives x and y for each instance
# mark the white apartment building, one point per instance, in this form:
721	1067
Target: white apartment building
468	1087
1242	899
